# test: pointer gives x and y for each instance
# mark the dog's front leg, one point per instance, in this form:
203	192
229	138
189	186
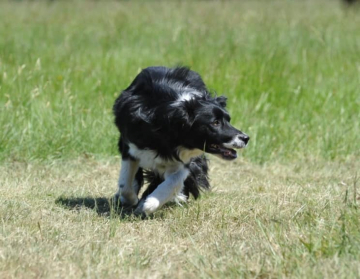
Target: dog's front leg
165	192
126	190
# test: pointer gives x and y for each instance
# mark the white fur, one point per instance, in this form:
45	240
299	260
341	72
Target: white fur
180	198
236	142
187	92
179	86
127	189
187	96
148	159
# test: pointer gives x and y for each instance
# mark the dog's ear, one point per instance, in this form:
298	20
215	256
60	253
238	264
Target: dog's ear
183	114
189	107
221	101
142	83
179	117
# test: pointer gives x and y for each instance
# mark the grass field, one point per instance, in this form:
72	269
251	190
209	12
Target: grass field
287	208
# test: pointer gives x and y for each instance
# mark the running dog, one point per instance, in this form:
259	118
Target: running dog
167	120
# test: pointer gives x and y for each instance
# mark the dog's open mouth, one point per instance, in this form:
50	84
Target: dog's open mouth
226	153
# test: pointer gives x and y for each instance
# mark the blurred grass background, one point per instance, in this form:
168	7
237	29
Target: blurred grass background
288	209
290	69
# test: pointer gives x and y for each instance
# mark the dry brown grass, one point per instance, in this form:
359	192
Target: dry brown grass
258	222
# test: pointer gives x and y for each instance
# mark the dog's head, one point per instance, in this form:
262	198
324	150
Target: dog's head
211	130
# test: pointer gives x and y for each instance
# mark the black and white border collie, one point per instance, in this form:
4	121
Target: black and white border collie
167	120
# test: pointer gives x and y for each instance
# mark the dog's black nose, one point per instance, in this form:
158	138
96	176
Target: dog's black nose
244	137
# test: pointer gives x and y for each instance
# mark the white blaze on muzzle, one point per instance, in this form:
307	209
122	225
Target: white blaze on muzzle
236	142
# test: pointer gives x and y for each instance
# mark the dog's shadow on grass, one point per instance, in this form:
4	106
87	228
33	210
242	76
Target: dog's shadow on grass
103	206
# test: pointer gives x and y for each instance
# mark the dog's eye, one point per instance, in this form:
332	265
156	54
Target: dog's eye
216	123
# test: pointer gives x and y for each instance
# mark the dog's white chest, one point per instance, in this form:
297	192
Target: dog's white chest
148	159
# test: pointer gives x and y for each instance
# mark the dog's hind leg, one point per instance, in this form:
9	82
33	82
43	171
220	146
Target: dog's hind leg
166	191
198	178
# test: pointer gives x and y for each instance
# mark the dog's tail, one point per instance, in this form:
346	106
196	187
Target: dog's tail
196	182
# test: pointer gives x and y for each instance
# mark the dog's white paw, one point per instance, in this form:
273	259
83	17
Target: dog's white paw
150	205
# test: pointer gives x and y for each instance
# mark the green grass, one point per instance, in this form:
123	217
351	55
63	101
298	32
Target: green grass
287	208
290	71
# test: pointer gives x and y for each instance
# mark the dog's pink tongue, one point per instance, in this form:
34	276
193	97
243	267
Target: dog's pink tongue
229	153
